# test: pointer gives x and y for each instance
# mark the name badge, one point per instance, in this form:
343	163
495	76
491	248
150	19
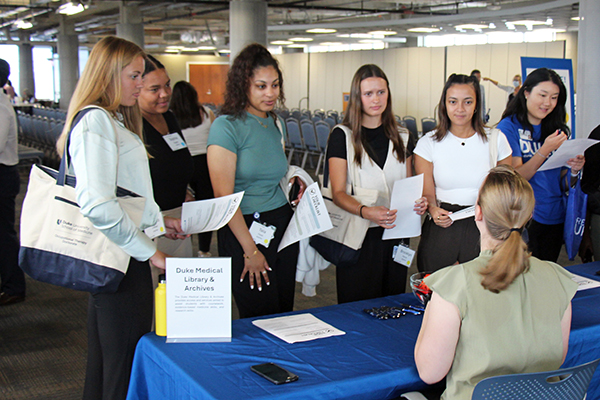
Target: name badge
157	229
175	141
403	255
262	234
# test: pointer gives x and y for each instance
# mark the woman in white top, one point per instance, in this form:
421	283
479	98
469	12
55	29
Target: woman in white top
195	121
454	159
106	150
381	157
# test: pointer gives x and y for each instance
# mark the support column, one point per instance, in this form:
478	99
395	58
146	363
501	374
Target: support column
68	61
588	59
26	80
131	25
247	24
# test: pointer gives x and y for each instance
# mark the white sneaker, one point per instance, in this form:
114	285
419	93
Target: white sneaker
203	254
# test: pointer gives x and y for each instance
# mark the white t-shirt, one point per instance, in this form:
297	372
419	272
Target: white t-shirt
8	132
458	170
197	136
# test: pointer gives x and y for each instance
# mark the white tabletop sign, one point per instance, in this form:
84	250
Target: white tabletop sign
198	300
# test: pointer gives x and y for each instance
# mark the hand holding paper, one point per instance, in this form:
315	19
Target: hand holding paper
569	149
404	194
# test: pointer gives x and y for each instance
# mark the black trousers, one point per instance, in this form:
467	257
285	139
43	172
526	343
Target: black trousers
201	185
116	321
375	274
545	241
279	295
12	279
440	247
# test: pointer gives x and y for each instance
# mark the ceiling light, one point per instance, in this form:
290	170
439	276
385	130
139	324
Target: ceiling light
281	42
205	48
297	46
71	8
175	47
424	30
528	22
227	51
21	24
190	49
470	26
510	25
301	39
370	41
331	44
171	51
549	21
575	18
492	26
383	33
321	30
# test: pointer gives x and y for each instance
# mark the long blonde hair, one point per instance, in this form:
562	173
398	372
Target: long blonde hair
506	201
100	85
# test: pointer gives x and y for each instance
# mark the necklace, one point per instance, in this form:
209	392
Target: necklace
462	141
259	121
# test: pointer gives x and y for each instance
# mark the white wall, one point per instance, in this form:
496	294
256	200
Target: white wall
416	74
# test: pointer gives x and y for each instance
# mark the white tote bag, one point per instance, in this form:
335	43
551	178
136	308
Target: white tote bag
59	245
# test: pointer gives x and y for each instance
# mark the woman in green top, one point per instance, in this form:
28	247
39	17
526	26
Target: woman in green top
245	153
505	312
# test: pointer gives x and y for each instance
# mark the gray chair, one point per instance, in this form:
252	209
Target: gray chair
322	129
428	124
411	125
295	138
330	121
310	140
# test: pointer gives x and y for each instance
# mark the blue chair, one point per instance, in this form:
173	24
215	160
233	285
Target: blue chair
316	118
411	125
563	384
330	121
295	138
296	113
333	114
428	124
319	113
322	129
310	140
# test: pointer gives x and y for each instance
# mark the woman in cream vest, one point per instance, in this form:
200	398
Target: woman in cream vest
382	155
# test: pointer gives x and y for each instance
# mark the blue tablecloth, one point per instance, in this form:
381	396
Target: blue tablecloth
373	360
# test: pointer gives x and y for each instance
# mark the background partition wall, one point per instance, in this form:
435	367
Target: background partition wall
416	74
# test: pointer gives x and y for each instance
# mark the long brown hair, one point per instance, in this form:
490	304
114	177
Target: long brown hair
506	200
100	85
444	123
184	104
354	114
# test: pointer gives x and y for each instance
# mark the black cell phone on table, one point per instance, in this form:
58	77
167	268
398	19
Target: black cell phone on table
274	373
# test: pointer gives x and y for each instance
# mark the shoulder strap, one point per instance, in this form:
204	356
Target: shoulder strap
493	139
352	170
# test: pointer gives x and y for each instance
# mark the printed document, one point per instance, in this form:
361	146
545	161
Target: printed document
209	215
310	218
585	283
408	222
567	150
462	214
297	328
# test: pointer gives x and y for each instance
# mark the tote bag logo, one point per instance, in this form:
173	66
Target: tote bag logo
579	226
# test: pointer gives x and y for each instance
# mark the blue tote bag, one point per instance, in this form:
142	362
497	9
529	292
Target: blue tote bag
575	219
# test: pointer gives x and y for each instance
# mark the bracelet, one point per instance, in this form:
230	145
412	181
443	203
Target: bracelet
540	154
253	254
360	211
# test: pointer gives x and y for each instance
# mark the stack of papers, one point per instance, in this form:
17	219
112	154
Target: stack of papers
298	328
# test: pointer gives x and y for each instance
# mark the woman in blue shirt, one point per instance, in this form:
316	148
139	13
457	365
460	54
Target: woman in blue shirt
245	153
534	123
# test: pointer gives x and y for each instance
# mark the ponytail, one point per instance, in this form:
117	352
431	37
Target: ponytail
506	200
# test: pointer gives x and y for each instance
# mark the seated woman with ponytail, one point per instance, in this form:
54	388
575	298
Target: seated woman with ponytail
504	312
